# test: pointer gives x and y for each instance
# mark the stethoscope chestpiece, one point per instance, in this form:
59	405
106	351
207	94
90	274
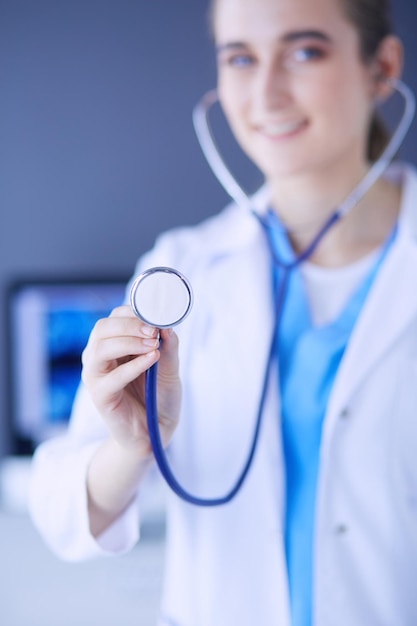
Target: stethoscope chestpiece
161	297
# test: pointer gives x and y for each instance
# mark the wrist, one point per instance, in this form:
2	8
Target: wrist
137	457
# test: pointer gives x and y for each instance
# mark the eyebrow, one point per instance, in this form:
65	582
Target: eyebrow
305	34
286	38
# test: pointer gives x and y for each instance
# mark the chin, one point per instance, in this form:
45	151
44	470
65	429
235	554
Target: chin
282	172
277	164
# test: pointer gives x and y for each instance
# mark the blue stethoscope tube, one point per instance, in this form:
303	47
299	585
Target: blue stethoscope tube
155	436
151	387
236	192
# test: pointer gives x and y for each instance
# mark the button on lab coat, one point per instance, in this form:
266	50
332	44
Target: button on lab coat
226	565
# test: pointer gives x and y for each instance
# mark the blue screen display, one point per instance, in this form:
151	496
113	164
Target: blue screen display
49	328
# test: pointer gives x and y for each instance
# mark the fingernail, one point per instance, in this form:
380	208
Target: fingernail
148	330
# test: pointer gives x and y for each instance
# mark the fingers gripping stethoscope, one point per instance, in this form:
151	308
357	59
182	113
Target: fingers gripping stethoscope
162	297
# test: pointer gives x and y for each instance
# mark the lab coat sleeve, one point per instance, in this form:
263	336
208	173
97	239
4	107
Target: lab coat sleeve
58	494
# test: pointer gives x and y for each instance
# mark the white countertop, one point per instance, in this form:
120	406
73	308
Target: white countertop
37	589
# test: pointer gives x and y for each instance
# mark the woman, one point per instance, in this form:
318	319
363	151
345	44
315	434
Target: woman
324	530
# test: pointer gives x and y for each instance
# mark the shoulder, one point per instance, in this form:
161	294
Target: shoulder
186	247
405	175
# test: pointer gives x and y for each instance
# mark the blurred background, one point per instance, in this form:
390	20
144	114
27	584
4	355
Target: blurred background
97	156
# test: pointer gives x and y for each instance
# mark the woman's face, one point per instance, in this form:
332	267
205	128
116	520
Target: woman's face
292	84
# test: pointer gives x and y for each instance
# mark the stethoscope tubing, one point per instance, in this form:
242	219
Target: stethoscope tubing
155	436
236	192
151	389
241	198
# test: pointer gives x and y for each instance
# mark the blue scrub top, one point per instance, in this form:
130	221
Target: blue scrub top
308	359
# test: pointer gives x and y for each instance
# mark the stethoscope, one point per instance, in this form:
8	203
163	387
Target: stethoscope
162	297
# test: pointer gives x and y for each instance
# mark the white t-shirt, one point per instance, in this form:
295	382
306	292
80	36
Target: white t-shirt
329	289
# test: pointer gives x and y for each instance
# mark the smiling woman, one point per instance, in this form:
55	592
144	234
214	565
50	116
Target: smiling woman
323	529
299	96
373	23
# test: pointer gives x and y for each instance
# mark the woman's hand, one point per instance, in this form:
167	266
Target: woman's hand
119	351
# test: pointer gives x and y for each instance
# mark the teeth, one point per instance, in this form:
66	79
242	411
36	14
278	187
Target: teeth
281	129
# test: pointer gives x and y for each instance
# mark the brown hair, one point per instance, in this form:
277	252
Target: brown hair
372	20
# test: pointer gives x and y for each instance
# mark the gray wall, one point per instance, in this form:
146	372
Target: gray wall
97	151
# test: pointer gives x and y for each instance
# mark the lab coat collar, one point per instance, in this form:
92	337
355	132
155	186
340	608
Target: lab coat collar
240	227
392	302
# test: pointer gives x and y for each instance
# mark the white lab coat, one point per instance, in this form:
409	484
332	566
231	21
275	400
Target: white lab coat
226	565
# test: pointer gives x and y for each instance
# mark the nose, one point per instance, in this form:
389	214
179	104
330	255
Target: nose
271	89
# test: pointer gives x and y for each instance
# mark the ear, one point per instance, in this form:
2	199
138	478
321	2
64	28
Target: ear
387	64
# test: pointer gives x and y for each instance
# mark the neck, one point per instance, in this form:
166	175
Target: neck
305	205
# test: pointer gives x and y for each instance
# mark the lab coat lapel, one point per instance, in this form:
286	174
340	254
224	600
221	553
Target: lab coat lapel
390	307
247	284
233	324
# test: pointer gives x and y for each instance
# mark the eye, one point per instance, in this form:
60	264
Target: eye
307	53
241	60
237	59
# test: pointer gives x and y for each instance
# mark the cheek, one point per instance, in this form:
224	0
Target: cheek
231	93
235	104
338	104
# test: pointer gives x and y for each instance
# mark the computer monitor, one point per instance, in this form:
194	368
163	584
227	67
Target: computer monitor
49	322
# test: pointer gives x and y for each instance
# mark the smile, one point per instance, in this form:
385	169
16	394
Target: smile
284	129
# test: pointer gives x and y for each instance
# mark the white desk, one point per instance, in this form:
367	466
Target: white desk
37	589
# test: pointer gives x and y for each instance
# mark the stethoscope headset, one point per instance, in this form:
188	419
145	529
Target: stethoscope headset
162	297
